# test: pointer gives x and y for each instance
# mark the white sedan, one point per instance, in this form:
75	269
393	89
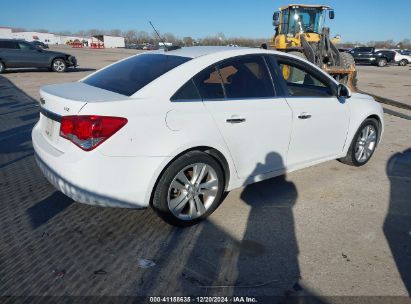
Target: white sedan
176	129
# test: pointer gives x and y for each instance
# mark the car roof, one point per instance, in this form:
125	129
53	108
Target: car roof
197	51
7	39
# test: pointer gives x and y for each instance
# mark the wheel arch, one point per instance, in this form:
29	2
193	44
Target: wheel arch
213	152
379	121
357	122
52	58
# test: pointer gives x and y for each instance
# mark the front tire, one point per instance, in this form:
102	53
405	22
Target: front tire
189	190
59	65
363	144
403	62
382	62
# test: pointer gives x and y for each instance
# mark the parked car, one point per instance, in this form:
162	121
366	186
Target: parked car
370	55
23	54
174	130
401	59
40	44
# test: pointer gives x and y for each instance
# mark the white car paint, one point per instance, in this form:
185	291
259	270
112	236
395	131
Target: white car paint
398	56
123	170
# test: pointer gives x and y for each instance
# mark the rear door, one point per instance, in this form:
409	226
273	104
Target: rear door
10	53
320	119
254	122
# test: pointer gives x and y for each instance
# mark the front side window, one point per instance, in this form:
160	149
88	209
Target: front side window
302	82
130	75
25	46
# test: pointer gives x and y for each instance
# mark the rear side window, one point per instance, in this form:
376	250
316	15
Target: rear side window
25	46
128	76
238	78
187	92
246	77
209	85
8	45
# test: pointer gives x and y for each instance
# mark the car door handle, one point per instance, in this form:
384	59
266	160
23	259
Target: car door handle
235	119
304	116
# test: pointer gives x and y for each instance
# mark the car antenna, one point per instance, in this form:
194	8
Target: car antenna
166	48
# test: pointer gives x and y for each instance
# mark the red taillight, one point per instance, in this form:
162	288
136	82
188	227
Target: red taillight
88	131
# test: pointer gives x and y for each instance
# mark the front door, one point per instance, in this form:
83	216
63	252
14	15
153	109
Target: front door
320	119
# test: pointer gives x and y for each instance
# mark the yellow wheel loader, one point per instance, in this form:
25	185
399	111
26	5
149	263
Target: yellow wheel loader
300	30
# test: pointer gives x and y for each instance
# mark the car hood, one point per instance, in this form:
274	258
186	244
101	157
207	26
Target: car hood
362	96
55	53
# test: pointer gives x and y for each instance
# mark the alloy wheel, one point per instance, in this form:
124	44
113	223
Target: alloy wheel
59	66
192	191
366	143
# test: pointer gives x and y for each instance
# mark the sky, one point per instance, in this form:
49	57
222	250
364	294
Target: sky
355	20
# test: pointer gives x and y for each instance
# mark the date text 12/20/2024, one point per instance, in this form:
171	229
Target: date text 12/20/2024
233	299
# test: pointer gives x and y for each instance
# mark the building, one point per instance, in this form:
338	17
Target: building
109	41
5	32
51	38
47	38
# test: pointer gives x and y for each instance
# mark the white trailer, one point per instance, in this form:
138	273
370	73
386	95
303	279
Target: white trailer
109	41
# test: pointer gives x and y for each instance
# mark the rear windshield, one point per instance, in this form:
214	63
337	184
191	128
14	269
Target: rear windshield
128	76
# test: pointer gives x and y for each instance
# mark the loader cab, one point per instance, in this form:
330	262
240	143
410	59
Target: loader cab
298	19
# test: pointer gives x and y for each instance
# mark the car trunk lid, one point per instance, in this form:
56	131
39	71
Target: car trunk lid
67	99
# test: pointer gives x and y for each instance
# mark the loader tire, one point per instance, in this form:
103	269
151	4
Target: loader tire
347	61
295	75
298	54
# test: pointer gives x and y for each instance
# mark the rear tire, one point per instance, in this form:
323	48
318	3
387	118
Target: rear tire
2	67
382	62
403	62
59	65
189	190
366	142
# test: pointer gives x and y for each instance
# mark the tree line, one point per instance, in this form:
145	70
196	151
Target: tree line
140	37
383	44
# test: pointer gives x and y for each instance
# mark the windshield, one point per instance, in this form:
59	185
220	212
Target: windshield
128	76
305	20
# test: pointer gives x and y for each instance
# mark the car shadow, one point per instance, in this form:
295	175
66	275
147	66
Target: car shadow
262	261
19	113
46	209
397	224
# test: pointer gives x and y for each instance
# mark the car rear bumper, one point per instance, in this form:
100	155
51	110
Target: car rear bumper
96	179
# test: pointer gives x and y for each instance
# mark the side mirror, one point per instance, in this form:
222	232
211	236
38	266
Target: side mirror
331	14
276	18
343	91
